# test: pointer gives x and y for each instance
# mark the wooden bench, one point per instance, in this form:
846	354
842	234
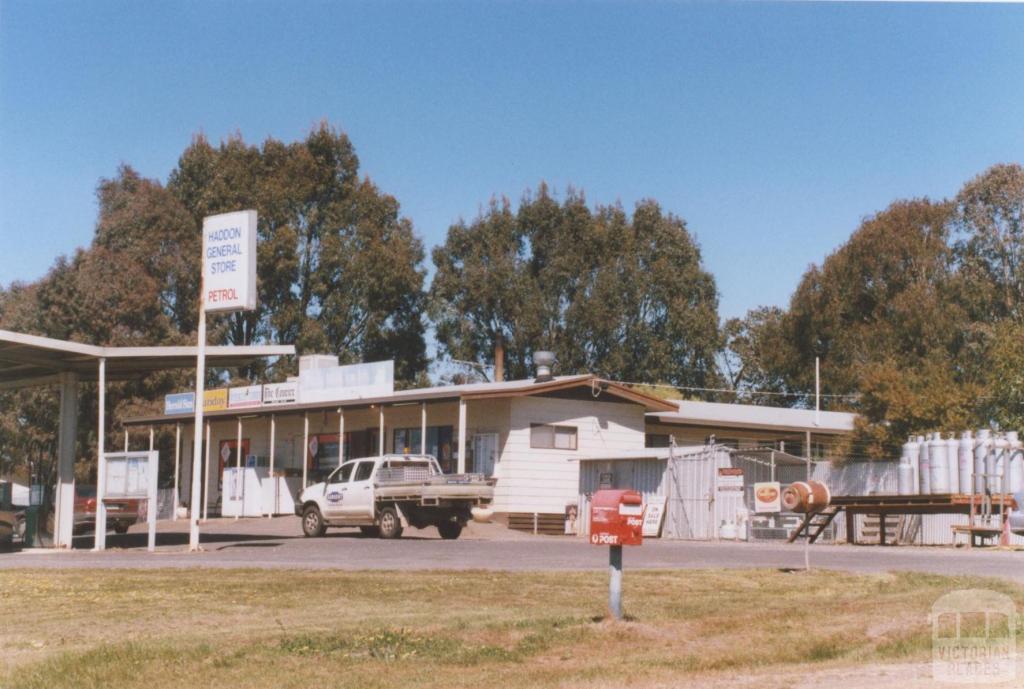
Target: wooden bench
976	534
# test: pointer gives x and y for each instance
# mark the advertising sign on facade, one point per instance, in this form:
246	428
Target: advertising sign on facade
730	479
229	262
280	393
768	497
246	397
347	382
215	400
179	403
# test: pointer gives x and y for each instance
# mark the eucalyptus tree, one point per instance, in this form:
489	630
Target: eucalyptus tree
340	270
625	296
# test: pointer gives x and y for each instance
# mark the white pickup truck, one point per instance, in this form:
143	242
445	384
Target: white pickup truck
382	495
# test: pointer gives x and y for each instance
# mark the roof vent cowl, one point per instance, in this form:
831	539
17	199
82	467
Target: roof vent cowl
543	361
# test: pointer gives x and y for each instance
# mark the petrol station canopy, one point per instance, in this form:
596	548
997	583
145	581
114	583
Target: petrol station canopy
31	360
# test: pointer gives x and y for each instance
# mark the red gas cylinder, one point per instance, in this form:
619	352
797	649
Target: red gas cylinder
806	496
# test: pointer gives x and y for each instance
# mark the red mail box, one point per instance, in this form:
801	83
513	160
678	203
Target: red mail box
617	518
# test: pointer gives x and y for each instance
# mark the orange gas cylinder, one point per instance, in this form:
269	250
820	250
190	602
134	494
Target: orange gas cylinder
806	496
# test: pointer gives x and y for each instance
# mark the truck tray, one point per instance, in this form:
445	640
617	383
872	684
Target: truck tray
431	492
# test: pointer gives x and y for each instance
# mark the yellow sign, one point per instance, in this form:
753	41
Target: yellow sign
215	400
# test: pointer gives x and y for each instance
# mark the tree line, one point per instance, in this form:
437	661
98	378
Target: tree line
916	319
341	270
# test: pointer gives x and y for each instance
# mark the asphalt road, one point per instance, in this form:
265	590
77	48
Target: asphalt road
278	543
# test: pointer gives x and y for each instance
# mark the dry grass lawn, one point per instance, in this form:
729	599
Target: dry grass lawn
257	628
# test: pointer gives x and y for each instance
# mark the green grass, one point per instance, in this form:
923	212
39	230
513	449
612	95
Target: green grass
268	628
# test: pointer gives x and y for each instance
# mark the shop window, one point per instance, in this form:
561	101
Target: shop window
440	444
548	437
406	441
797	448
656	440
228	456
322	454
322	451
361	444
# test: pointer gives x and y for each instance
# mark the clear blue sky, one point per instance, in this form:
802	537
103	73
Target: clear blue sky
771	128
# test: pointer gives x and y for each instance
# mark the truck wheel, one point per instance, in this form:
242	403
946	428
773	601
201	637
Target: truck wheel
449	530
370	531
312	522
390	524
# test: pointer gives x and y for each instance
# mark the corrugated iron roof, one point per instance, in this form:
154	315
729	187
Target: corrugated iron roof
467	391
691	412
27	360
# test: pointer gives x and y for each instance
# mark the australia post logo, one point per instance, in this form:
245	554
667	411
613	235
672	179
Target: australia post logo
604	539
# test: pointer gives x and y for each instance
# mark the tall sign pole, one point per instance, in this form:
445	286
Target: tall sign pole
228	283
197	441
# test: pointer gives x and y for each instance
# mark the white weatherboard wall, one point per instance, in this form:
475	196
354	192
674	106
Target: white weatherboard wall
544	480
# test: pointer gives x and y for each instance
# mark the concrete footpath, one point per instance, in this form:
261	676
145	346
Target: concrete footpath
278	543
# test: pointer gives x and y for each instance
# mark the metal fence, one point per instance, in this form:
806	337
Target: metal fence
164	502
696	506
686	478
693	509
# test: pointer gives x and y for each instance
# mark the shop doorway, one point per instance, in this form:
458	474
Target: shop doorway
485	453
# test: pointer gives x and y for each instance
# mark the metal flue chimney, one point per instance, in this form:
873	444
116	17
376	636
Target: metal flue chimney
543	361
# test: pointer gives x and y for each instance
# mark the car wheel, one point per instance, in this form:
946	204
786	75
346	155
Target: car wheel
390	524
121	528
370	531
449	530
313	522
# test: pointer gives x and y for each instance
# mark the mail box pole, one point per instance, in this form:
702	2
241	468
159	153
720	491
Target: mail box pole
615	581
616	519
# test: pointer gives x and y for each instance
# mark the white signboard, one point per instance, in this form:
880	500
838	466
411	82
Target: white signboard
347	382
127	475
280	393
137	477
654	514
116	478
767	497
730	480
243	398
229	262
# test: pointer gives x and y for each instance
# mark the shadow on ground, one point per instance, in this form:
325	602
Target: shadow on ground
141	539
